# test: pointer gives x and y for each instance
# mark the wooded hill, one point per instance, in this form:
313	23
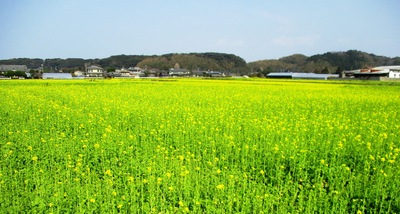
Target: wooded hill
330	62
191	61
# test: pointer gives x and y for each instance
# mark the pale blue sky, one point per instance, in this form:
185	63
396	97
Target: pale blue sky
251	29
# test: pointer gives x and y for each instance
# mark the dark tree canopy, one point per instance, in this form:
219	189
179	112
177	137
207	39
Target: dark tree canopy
330	62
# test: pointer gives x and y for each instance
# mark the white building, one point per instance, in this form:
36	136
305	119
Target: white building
94	71
394	74
380	71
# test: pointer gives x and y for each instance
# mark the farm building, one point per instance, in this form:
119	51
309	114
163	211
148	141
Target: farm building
283	75
377	73
290	75
314	76
56	76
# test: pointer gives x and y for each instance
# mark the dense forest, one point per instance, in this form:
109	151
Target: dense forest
191	61
331	62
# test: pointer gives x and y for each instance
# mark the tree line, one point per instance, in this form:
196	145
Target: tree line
190	61
331	62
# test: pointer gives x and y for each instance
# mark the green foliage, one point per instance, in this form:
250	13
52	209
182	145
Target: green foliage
294	59
110	70
329	62
14	74
64	63
192	61
30	63
199	146
119	61
195	61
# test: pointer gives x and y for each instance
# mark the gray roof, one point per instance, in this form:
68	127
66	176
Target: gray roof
93	67
301	75
312	76
281	74
56	76
13	68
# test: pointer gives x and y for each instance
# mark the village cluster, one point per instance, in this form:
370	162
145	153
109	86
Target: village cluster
94	71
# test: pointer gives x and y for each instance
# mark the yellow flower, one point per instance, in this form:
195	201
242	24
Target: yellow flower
220	186
92	200
108	172
34	158
184	173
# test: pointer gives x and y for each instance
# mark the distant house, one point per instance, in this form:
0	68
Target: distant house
136	72
178	72
94	71
122	72
215	74
56	76
154	72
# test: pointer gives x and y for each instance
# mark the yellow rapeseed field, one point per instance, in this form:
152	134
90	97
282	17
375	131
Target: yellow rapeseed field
199	146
